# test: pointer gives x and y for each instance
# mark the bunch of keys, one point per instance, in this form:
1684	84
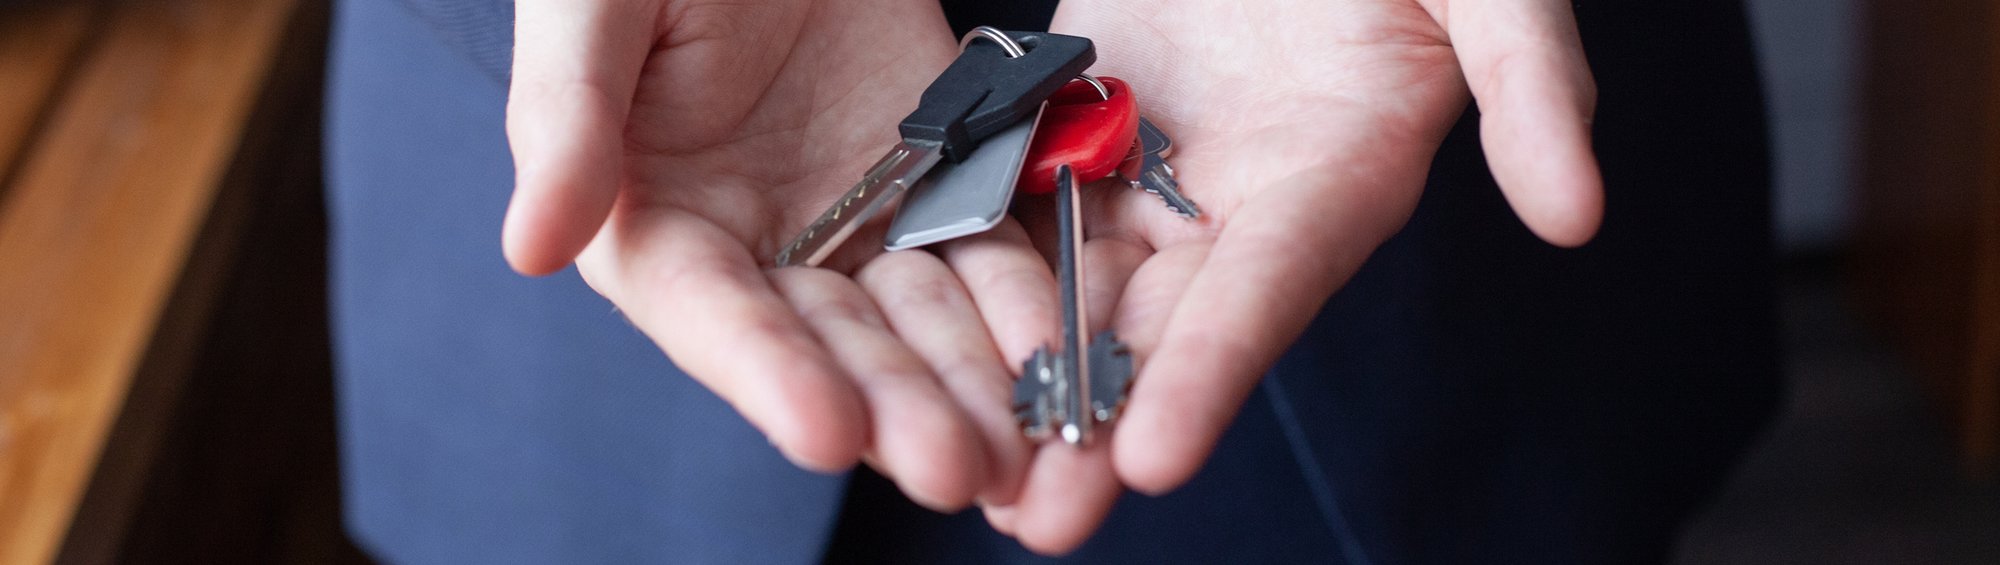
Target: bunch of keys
999	108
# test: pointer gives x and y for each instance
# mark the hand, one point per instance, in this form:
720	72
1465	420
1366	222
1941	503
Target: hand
1305	130
676	145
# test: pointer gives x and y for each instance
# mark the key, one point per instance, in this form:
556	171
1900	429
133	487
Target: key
1148	170
1085	129
963	199
1078	123
1078	383
1069	387
983	92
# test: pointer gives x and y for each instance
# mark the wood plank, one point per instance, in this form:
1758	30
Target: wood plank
1926	245
274	174
1982	415
38	42
95	230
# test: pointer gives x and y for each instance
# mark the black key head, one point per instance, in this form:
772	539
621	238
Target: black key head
984	91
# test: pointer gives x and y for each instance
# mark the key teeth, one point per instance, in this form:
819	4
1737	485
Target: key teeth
1158	180
1111	380
1189	212
1033	394
1110	376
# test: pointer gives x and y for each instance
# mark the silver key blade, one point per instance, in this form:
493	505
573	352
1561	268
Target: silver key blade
1054	391
1069	277
966	198
894	173
1084	384
1147	169
1157	177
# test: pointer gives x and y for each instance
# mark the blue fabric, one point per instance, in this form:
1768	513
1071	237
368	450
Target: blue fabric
1472	395
1250	504
491	418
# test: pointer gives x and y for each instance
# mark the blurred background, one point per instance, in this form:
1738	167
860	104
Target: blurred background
165	392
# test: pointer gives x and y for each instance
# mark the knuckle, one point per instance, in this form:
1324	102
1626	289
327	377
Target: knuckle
839	307
923	292
892	267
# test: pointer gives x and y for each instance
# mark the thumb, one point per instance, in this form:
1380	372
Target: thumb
576	66
1524	63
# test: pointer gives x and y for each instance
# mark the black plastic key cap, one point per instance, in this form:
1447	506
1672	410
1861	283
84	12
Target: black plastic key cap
984	91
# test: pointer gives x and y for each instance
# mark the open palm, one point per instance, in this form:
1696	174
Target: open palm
1305	130
671	147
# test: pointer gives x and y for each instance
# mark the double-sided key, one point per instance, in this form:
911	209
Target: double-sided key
1071	386
1068	389
984	91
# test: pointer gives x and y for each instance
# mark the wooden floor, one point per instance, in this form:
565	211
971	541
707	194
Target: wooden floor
165	388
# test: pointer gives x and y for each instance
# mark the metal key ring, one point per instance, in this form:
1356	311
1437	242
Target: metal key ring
1014	49
1008	44
1101	90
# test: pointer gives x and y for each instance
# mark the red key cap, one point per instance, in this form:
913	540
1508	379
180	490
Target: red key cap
1083	129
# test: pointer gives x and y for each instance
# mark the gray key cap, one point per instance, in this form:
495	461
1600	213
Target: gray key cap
1068	391
962	199
1149	171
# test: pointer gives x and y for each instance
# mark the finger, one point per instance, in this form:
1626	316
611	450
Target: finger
1108	265
1071	490
1012	285
921	439
699	295
1525	66
931	312
1251	296
1152	291
1000	517
576	66
1068	494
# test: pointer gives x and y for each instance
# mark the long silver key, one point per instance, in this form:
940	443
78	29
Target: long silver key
986	90
1068	391
1148	170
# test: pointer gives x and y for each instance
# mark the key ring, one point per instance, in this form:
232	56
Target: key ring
1101	90
1014	49
1007	44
